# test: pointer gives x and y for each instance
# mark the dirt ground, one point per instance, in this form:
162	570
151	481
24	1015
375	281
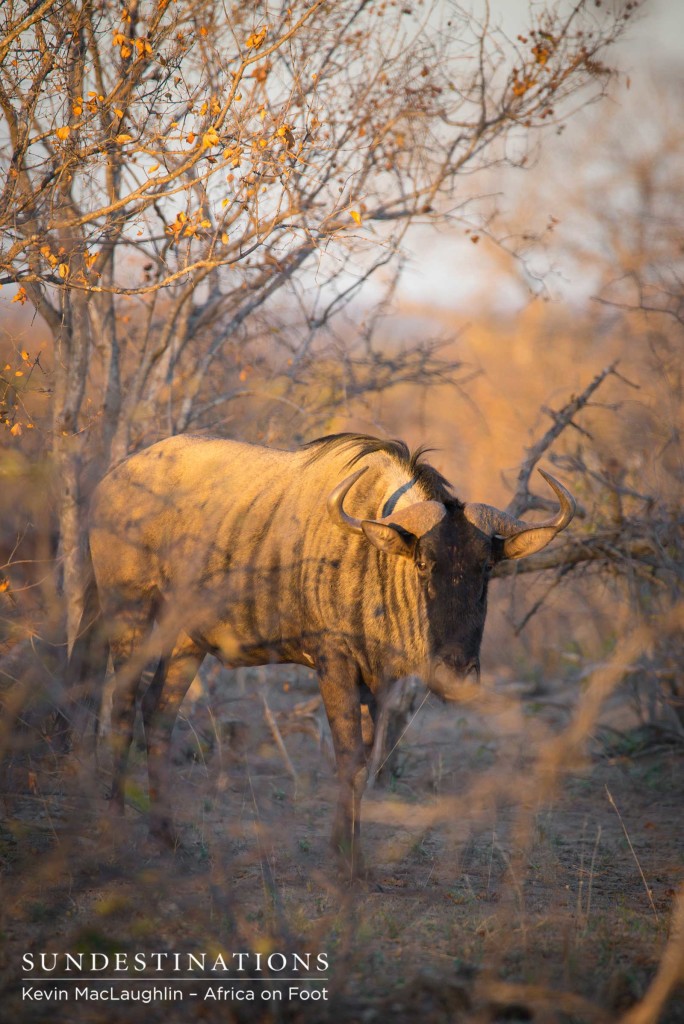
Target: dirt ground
500	889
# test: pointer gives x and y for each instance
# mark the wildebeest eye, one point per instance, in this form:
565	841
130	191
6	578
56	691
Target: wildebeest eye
421	565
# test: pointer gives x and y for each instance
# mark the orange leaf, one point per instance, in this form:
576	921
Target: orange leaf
16	430
21	297
210	138
63	133
256	39
356	217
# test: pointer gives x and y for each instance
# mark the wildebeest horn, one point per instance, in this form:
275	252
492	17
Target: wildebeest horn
522	539
416	519
336	503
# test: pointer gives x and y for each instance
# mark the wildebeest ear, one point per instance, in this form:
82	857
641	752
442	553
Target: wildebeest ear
390	539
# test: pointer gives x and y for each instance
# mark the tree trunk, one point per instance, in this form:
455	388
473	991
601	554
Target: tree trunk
71	371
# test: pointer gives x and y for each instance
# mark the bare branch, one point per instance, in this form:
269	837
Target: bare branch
522	499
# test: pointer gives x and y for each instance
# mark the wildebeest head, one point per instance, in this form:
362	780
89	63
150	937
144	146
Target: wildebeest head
453	548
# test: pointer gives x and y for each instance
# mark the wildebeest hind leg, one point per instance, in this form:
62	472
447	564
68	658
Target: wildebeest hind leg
160	706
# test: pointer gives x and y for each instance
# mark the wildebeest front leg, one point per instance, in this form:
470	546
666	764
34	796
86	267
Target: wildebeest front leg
340	690
160	706
128	637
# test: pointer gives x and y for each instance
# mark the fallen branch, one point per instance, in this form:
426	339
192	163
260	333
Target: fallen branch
633	542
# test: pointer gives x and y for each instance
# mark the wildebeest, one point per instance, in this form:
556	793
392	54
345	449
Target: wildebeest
350	555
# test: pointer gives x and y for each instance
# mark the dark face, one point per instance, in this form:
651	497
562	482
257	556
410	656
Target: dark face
453	562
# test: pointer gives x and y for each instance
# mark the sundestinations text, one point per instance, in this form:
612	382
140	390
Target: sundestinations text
176	963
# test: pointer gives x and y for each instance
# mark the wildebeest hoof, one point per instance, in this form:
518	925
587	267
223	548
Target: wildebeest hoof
366	882
62	742
361	882
162	831
115	805
352	872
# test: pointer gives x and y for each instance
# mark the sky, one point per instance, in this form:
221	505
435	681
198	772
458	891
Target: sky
657	32
446	271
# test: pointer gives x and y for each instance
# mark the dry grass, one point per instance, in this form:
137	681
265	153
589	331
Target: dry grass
506	886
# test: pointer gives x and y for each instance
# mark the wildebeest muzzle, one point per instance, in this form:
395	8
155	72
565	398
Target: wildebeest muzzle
450	669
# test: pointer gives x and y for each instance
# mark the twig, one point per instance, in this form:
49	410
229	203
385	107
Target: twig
374	772
189	724
267	876
580	886
275	732
591	875
519	626
491	859
522	500
643	877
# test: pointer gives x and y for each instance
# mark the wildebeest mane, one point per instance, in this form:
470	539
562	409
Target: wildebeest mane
437	487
